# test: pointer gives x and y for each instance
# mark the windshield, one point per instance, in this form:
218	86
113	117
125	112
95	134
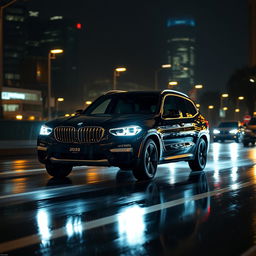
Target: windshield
127	103
228	124
252	121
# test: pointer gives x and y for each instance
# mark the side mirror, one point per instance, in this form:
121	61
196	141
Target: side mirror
78	112
173	113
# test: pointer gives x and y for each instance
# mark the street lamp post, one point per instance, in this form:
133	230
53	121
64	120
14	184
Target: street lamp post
164	66
2	53
237	110
116	74
51	55
210	107
57	104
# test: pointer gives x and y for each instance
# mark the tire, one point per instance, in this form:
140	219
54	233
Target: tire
199	163
146	167
58	170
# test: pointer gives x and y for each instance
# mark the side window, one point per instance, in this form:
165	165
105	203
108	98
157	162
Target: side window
169	104
191	110
178	103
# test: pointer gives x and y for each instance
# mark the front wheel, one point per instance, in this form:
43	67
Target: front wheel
146	167
58	170
199	163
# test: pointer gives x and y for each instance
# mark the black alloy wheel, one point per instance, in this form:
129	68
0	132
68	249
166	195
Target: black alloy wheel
199	163
58	170
147	164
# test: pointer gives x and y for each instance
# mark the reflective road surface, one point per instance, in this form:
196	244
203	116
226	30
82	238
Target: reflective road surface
104	211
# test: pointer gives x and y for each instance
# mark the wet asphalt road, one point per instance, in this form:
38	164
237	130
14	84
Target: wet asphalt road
104	211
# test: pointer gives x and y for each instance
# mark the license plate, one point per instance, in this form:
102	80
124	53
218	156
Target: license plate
74	150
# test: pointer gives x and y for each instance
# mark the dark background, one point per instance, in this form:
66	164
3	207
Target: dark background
132	33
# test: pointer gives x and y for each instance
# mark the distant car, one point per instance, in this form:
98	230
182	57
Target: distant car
228	131
130	130
250	133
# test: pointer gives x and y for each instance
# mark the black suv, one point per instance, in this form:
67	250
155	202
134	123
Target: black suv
250	133
130	130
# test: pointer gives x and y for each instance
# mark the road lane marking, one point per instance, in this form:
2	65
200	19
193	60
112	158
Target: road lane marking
21	171
60	232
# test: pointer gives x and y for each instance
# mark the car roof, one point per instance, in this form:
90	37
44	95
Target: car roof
163	92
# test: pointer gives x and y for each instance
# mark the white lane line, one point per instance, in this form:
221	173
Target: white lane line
21	171
42	192
60	232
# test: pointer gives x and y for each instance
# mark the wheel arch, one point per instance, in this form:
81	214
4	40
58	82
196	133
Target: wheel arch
156	139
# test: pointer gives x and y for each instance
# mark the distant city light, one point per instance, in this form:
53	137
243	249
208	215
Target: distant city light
198	105
166	66
173	83
224	95
56	51
225	108
199	86
56	18
31	118
252	80
241	97
88	102
120	69
67	114
237	110
78	25
210	107
60	99
19	117
180	22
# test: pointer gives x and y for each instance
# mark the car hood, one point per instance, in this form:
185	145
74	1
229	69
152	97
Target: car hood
109	121
227	128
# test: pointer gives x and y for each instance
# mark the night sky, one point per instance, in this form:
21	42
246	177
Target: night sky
131	33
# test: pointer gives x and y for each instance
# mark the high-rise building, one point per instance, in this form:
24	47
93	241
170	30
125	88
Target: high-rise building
14	43
252	9
181	53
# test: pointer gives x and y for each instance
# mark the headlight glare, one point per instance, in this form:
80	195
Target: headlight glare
234	131
45	130
126	131
215	131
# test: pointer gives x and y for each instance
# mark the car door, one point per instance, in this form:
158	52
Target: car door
178	132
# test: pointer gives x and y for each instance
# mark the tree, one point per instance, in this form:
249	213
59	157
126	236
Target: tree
243	83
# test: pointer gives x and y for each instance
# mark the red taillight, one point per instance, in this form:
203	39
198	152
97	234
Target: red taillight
207	123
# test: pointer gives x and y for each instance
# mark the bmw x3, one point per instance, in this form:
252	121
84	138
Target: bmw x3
130	130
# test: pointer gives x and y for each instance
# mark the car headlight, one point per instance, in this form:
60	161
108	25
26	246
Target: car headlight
215	131
234	131
45	130
126	131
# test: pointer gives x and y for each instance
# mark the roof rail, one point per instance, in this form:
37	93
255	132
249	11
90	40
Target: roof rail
173	91
114	91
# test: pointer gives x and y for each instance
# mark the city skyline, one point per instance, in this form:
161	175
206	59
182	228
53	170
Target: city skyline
134	36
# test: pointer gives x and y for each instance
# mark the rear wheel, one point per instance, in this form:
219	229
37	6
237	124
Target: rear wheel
199	163
146	167
58	170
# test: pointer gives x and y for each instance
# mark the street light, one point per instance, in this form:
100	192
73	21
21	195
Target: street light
164	66
171	84
223	96
199	86
116	74
51	56
1	54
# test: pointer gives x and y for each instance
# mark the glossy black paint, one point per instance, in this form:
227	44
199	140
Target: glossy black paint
176	138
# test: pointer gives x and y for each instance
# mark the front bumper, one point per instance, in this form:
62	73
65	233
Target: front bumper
114	151
226	136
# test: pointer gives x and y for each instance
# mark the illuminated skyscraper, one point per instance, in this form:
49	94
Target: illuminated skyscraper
181	53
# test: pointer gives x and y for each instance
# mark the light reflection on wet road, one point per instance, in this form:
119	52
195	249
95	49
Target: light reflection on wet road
104	211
